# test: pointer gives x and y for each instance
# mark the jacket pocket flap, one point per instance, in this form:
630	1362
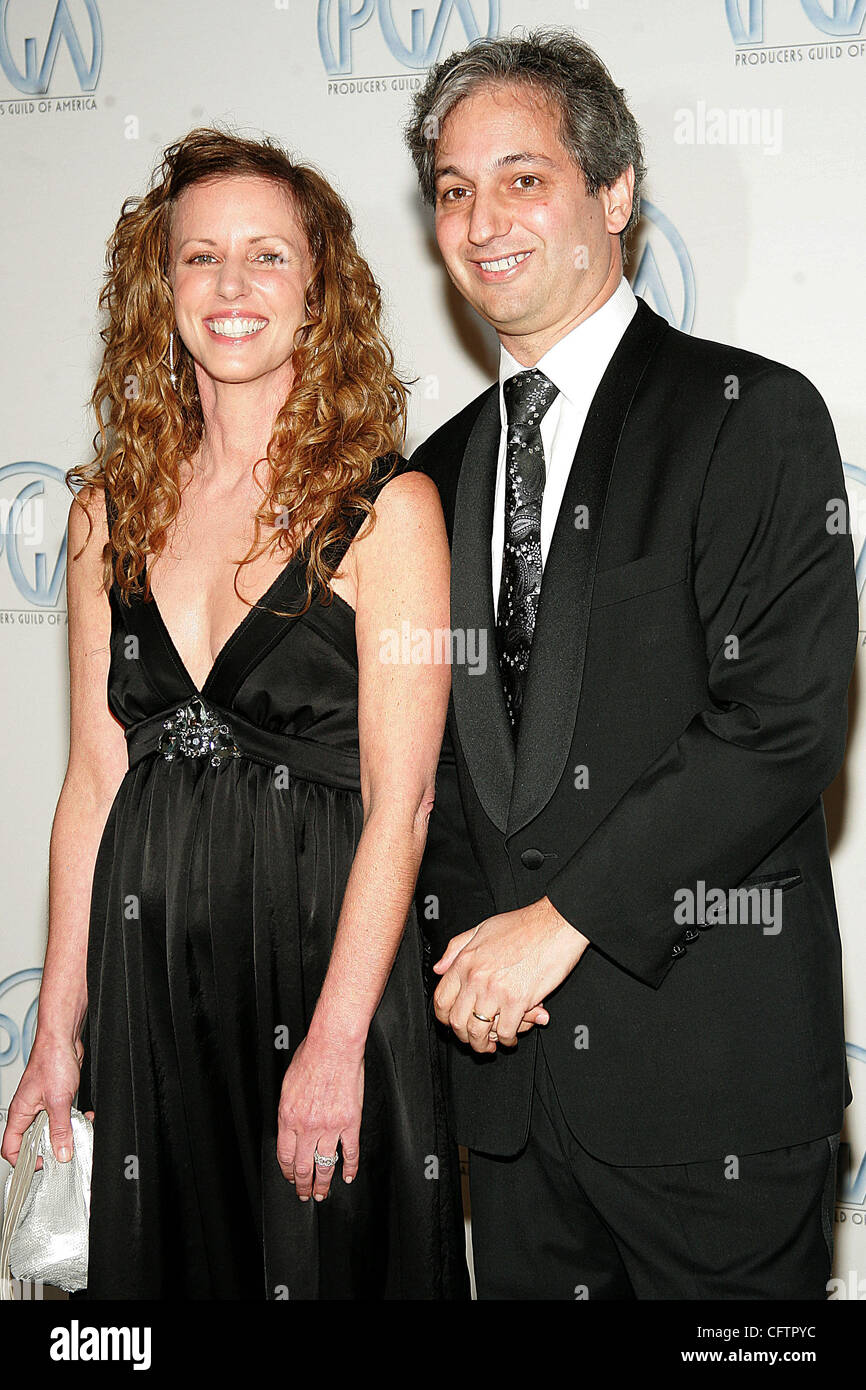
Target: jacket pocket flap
780	879
641	576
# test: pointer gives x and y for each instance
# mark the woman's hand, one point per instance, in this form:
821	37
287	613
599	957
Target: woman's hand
49	1082
320	1104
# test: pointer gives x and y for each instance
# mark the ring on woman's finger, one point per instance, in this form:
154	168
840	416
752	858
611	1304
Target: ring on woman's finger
324	1160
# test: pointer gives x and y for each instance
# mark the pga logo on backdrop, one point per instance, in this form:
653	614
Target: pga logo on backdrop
34	509
855	483
32	33
415	35
833	18
19	996
664	275
849	1278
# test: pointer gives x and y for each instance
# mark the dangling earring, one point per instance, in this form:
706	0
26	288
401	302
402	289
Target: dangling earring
172	373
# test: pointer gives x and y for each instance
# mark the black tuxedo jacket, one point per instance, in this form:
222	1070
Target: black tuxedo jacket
686	705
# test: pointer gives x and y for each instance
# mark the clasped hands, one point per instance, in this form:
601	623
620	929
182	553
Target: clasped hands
496	977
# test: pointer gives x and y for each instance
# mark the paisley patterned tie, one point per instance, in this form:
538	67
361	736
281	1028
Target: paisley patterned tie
528	396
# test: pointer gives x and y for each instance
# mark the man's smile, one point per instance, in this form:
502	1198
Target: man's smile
501	268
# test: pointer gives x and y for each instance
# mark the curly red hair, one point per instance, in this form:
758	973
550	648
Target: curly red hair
346	408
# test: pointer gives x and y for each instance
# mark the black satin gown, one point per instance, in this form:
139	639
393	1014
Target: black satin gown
216	895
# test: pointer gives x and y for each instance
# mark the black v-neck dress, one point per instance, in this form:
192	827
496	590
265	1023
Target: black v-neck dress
216	894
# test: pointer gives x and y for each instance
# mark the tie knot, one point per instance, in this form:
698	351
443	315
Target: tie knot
528	396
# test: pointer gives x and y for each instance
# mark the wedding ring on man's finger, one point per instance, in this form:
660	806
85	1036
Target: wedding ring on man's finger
323	1160
481	1017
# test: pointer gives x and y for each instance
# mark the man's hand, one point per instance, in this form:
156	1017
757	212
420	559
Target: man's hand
503	967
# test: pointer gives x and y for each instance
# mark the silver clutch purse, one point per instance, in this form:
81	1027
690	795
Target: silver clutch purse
46	1213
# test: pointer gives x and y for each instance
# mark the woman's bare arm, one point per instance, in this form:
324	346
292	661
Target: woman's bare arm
403	576
97	763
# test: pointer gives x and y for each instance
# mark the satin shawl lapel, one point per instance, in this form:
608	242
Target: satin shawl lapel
514	785
479	703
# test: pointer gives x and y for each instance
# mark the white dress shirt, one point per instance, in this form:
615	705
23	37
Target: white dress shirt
575	365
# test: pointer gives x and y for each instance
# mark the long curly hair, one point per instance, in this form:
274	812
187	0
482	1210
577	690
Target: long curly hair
345	411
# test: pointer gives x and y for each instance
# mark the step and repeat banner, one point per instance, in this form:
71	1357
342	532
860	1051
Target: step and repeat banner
752	112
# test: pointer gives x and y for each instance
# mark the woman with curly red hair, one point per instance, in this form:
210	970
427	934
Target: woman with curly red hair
234	977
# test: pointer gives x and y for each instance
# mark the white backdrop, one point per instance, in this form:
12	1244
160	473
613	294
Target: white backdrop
753	115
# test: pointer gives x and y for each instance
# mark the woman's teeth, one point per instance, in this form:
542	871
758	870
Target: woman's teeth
235	328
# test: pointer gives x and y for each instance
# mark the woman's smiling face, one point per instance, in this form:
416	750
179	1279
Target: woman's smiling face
239	266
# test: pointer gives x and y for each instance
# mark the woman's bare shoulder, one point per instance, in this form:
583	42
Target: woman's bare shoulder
87	534
406	551
88	522
405	502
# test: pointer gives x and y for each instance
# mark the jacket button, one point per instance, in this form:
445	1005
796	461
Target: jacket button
532	858
690	934
678	950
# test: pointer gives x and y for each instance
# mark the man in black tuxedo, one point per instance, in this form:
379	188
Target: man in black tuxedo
640	957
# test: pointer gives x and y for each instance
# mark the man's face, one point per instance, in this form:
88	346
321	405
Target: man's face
520	238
